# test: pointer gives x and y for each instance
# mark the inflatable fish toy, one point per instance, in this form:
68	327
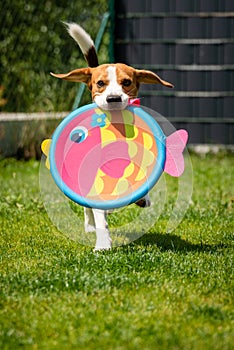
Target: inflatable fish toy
109	159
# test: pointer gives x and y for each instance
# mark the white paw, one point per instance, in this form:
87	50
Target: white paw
89	228
103	241
103	245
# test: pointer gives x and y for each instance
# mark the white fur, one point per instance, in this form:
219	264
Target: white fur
95	219
113	88
80	36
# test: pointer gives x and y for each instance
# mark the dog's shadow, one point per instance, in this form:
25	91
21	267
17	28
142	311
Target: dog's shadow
170	242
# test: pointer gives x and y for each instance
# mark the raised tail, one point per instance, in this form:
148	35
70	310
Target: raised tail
85	43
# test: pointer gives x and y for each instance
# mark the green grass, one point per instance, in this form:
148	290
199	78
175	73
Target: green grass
163	291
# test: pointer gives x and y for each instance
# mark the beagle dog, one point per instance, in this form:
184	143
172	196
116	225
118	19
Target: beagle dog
111	86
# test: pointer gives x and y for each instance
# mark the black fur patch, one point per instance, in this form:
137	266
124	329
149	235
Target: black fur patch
91	57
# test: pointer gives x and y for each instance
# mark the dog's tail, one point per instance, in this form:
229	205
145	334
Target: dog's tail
85	43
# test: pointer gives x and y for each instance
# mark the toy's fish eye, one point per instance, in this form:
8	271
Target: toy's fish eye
78	134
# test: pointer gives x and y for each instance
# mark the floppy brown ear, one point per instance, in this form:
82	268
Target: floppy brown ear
148	77
82	75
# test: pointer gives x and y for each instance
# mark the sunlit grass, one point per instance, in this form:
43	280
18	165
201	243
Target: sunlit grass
163	291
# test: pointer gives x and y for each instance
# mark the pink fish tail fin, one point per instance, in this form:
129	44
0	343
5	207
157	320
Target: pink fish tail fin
175	144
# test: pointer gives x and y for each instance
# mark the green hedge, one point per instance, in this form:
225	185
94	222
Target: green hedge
33	42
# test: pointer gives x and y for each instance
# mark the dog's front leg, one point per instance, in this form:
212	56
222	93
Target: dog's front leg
103	240
89	222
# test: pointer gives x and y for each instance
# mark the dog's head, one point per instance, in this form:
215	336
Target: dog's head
112	85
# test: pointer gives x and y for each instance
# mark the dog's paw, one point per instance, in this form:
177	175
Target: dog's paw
107	245
103	241
89	228
144	202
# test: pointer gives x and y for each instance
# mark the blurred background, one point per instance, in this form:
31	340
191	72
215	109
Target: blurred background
187	42
35	42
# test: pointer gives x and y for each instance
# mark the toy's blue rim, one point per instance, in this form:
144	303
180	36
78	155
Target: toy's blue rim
126	200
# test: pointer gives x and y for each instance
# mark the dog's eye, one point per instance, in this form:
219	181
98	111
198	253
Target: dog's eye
78	134
100	83
126	82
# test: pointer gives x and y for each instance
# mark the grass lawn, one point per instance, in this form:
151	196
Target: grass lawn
162	291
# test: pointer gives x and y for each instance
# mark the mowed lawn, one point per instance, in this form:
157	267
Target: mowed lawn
163	291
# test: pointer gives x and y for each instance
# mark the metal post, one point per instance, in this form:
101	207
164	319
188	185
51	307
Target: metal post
112	30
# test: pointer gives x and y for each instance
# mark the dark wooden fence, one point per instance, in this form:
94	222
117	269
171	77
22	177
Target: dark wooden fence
191	44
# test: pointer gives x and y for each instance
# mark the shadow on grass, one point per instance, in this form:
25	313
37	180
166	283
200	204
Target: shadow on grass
166	242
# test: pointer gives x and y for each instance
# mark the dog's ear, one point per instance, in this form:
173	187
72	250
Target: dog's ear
81	75
148	77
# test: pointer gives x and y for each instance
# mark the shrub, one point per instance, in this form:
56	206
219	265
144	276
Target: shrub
33	42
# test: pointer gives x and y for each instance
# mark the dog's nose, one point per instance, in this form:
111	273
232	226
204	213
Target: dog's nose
113	98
